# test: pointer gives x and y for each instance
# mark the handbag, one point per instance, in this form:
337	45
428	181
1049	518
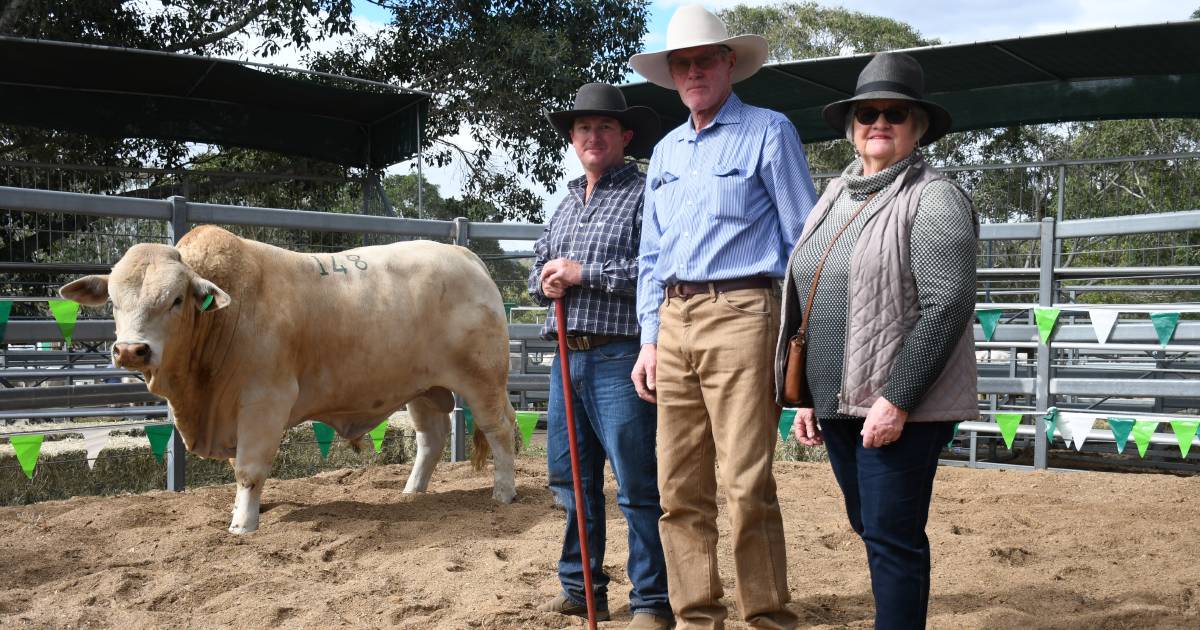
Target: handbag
795	382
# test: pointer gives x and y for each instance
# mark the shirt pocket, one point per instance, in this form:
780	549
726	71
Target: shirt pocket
662	180
732	190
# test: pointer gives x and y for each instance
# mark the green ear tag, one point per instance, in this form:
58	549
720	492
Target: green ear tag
207	302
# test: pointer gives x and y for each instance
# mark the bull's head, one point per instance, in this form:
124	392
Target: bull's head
154	295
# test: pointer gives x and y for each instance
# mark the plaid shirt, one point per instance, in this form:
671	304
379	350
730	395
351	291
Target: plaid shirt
602	235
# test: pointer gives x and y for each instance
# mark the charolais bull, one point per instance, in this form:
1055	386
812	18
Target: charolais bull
246	340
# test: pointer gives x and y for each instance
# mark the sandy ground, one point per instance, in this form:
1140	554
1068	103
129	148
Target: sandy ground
346	549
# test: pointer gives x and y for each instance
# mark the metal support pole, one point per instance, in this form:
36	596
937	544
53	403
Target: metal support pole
1062	204
1045	298
420	175
176	451
458	431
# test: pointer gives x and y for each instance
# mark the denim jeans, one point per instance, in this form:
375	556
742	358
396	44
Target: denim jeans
887	492
610	421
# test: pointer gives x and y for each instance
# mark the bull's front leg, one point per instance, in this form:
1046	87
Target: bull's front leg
261	426
250	468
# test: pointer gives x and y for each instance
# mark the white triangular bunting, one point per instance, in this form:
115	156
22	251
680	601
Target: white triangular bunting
94	441
1103	320
1075	427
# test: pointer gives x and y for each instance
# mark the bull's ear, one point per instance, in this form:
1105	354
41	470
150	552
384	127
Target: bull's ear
202	289
88	290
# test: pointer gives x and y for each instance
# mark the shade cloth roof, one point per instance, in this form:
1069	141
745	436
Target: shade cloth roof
123	92
1150	71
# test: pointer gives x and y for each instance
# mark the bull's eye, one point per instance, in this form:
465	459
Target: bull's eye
178	301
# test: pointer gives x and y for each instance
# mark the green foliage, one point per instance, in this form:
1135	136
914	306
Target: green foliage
211	27
492	67
806	30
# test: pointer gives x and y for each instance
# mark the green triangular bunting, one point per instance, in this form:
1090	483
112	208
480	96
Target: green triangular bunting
526	421
1185	430
66	313
324	434
1045	317
988	318
159	435
1051	419
786	419
953	433
377	435
1120	430
28	447
1008	426
1142	430
468	420
1164	325
5	311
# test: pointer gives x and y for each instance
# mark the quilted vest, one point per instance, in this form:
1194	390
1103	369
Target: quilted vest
883	307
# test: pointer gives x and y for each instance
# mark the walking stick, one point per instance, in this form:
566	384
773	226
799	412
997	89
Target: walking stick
580	518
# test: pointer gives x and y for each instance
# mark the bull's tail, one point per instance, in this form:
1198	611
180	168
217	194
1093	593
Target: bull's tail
481	450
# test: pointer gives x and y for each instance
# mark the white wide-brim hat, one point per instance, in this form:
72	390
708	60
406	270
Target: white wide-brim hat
693	26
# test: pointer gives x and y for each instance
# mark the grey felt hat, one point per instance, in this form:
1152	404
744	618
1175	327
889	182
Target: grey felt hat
892	76
601	99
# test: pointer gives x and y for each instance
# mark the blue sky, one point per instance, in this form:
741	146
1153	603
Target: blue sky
951	21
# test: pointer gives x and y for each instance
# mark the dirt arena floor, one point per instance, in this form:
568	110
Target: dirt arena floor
346	549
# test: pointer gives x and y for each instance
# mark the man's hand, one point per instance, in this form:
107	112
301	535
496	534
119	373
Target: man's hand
884	424
558	275
805	428
644	373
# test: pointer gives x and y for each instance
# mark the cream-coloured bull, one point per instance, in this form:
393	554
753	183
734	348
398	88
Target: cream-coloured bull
345	338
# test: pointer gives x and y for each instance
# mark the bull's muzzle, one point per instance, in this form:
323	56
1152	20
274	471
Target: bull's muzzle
131	355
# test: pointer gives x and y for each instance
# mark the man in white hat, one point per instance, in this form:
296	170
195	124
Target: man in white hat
727	193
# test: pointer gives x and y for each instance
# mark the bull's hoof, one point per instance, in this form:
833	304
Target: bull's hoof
504	495
242	529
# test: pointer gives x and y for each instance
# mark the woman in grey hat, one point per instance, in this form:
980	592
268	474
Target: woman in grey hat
881	289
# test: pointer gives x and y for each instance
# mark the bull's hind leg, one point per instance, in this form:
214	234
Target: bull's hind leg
496	420
432	423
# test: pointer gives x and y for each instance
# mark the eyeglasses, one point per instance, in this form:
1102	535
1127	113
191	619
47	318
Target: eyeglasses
894	115
707	61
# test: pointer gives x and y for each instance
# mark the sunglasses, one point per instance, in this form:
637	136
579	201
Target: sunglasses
868	115
705	62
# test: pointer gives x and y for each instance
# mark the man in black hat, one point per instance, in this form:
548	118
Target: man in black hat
588	256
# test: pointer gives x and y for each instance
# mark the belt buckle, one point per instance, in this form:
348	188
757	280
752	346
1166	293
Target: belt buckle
580	343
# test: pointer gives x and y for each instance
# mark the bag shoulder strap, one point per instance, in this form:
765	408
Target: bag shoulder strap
812	290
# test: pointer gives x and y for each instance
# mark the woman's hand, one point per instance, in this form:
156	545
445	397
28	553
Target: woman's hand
805	428
884	424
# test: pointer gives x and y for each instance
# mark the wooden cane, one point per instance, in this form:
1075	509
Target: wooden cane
580	517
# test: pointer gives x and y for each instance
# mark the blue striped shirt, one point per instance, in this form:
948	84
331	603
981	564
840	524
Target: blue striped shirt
726	202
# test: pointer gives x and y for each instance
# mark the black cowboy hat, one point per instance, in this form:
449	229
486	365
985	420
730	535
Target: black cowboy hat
892	76
601	99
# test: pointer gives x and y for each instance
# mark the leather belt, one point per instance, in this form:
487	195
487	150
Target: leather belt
580	343
686	290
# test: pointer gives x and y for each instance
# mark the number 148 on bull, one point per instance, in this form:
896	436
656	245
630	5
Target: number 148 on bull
355	259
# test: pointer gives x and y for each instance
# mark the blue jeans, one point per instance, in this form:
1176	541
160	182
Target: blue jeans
887	492
610	421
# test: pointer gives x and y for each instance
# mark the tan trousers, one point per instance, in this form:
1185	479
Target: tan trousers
716	405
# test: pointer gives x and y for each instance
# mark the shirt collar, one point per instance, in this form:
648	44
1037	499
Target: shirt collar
729	114
614	176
